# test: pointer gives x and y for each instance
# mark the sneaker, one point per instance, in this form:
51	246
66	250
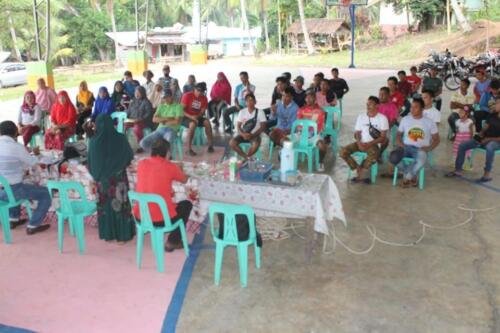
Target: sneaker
321	167
34	230
15	223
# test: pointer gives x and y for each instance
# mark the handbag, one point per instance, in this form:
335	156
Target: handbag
250	124
374	133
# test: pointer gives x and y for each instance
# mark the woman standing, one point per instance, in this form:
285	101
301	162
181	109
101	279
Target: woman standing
63	118
220	97
103	105
84	103
119	97
30	117
108	157
140	113
176	90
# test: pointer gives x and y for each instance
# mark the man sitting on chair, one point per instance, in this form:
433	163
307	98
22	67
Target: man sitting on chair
417	136
148	182
370	132
488	139
286	114
251	123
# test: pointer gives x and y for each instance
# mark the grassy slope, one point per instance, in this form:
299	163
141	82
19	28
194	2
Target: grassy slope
406	51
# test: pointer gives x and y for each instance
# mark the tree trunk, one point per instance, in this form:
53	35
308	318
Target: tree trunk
279	27
111	11
266	28
462	20
310	48
244	19
14	36
196	21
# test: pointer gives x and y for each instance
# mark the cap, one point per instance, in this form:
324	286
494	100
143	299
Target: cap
300	79
287	75
167	93
201	86
311	91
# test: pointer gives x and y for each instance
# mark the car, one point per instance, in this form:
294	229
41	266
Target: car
12	74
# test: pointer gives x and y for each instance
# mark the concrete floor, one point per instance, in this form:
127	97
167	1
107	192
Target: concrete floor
447	283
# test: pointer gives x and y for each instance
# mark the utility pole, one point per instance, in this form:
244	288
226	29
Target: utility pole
141	11
41	14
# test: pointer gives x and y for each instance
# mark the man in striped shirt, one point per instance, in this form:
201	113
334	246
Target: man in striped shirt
14	159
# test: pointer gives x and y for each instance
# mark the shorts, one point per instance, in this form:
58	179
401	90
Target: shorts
277	135
186	121
239	139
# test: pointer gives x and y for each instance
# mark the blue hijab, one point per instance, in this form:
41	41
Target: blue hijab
103	105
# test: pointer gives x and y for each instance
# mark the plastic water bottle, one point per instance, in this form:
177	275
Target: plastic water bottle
286	163
232	169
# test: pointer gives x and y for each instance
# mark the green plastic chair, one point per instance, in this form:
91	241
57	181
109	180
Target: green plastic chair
145	225
421	173
331	129
360	156
199	138
33	141
120	117
230	238
177	147
480	150
305	145
245	146
72	210
6	205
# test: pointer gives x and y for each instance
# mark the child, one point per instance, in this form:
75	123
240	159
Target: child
465	131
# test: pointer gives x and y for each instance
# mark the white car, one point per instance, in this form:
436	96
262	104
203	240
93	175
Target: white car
12	74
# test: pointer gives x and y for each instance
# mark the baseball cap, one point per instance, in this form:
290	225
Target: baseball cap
300	79
201	86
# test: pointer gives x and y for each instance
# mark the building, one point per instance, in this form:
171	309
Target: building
172	43
325	34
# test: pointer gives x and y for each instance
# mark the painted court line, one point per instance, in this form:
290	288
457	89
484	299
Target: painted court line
10	329
174	309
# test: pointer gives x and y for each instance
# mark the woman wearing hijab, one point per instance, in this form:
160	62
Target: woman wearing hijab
30	117
108	157
63	118
84	102
156	96
176	90
220	97
119	97
104	104
140	113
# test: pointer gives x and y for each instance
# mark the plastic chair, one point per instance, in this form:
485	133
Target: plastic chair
145	225
340	106
480	150
33	141
230	238
199	137
6	205
421	173
245	146
360	156
330	128
177	147
72	210
120	117
305	145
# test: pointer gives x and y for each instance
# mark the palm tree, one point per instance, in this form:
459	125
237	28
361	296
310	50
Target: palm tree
244	20
111	12
263	5
196	20
310	48
462	20
13	35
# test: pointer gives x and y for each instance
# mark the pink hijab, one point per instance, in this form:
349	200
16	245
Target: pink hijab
221	90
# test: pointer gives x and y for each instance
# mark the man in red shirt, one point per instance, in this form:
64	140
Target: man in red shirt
148	181
414	80
313	112
396	96
195	104
404	86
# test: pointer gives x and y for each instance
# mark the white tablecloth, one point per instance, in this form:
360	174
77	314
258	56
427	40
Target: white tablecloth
316	197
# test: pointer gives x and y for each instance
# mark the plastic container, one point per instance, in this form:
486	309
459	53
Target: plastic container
260	175
232	169
286	163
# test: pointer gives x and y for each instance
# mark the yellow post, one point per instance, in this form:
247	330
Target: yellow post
37	70
137	62
199	55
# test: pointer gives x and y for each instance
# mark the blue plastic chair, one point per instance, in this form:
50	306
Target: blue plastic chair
245	146
421	173
230	238
72	210
177	147
33	141
120	118
331	128
480	150
199	138
360	156
6	205
305	145
146	225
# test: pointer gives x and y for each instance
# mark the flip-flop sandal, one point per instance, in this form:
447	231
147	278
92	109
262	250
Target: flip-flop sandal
366	181
484	179
405	184
452	174
191	152
355	180
210	149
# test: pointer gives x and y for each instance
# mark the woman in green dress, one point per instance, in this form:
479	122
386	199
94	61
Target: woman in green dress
108	157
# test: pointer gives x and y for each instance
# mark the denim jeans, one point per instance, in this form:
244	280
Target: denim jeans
161	132
36	193
410	170
490	147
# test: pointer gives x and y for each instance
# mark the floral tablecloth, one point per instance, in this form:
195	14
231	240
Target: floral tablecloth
316	197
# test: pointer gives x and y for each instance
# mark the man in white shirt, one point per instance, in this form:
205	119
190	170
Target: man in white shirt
417	135
367	140
14	159
461	99
429	110
249	135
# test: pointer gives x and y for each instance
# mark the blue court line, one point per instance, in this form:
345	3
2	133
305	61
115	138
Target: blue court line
10	329
174	309
485	185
